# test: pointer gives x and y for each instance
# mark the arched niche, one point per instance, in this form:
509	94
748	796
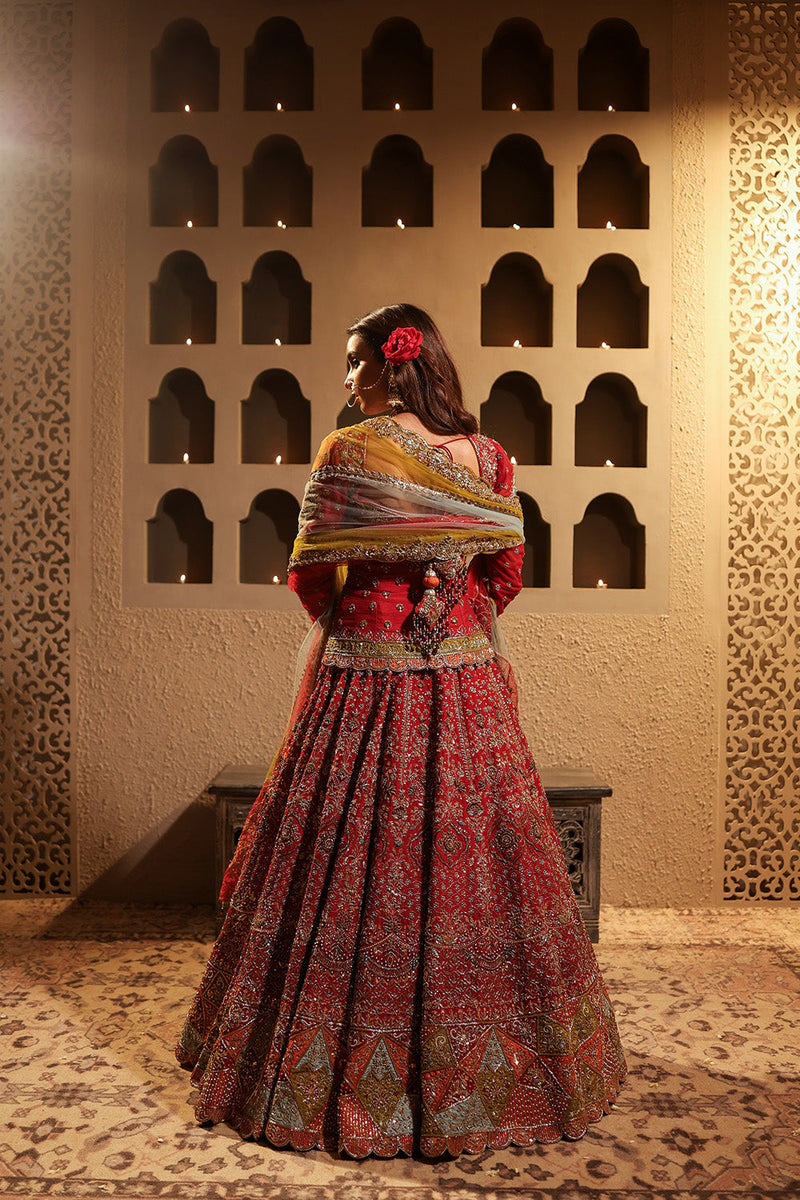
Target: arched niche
183	184
276	302
611	424
183	301
397	68
517	185
613	186
278	68
613	304
614	69
397	185
518	416
349	416
181	420
518	68
517	304
536	564
609	545
266	536
184	70
276	420
180	540
277	184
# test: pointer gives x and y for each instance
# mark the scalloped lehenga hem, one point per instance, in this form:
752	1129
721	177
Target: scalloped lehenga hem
282	1138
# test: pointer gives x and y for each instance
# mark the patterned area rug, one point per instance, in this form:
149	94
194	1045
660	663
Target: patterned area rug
93	1104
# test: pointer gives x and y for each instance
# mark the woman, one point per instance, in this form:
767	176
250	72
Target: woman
402	965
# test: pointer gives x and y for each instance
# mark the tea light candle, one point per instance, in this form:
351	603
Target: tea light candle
397	107
182	579
189	224
514	106
281	224
188	341
513	460
515	226
279	107
400	224
610	226
278	460
604	346
608	463
186	457
611	108
517	343
601	583
277	341
187	108
275	579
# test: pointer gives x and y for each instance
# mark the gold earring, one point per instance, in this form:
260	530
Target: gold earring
395	400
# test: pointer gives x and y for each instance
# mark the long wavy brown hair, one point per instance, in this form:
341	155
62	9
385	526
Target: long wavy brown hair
429	384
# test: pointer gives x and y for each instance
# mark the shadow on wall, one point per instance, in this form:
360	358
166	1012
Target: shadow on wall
172	864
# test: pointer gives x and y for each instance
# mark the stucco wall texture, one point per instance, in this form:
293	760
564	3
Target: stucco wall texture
165	698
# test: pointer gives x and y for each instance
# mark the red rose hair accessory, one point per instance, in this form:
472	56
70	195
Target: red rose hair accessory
402	345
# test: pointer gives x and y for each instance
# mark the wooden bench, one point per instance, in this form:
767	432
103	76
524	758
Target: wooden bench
575	798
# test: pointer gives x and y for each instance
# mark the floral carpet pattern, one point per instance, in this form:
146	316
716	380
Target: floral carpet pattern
92	1103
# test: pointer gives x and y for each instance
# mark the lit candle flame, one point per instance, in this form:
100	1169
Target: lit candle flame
187	108
397	107
281	224
609	463
604	346
183	579
275	579
188	341
277	341
514	106
186	457
610	226
611	108
278	459
513	460
189	225
279	107
515	225
400	224
601	583
518	343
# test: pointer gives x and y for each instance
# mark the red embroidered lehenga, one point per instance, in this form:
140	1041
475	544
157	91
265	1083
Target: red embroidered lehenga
402	966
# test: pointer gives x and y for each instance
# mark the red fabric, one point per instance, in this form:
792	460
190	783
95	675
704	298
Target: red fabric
402	965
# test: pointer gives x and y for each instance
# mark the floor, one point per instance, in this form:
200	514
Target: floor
92	1103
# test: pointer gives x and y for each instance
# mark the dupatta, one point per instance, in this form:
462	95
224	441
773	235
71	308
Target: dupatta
377	491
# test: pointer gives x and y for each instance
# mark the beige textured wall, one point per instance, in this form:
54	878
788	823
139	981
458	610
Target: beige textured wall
165	697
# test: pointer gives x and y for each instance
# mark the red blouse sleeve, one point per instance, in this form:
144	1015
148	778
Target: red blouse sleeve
503	570
313	584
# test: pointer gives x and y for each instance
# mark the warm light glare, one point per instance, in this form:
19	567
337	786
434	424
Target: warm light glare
275	579
186	457
609	463
513	460
281	224
188	341
610	226
278	459
189	224
604	346
518	343
186	108
515	225
277	341
183	579
515	107
397	108
400	224
611	108
601	583
279	107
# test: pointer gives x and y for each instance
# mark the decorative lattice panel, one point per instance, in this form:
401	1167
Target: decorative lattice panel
34	452
763	775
